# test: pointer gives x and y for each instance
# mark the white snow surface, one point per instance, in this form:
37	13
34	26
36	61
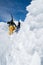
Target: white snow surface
35	59
26	46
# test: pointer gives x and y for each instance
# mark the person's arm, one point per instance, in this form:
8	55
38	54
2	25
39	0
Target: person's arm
8	22
18	25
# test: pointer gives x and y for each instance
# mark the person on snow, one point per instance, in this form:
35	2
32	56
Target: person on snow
13	27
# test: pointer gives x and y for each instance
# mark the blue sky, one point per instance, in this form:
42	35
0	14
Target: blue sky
16	7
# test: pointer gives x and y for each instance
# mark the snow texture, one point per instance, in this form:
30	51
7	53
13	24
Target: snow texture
35	59
26	46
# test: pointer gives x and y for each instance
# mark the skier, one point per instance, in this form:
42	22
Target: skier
13	27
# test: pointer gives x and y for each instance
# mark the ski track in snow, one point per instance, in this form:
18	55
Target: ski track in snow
26	46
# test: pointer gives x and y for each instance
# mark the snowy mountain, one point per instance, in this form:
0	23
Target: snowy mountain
26	46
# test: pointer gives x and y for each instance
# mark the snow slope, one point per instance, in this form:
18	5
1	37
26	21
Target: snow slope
25	47
35	59
18	48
